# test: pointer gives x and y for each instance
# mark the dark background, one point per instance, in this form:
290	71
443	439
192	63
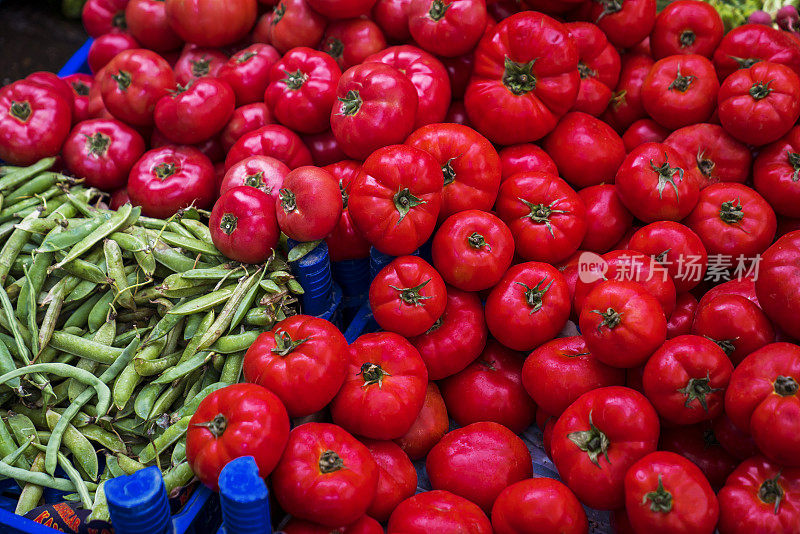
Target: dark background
34	35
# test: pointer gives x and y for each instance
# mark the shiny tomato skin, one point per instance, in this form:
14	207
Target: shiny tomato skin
545	367
106	47
336	9
556	509
147	22
586	150
681	319
101	16
427	75
699	445
309	205
490	389
525	157
529	306
272	140
438	511
407	296
749	500
324	148
692	506
748	44
607	219
501	101
717	155
57	85
254	423
643	131
430	426
118	199
737	442
763	398
630	424
384	387
686	27
776	284
209	22
349	42
598	58
301	360
457	340
680	90
470	166
135	81
769	91
345	241
447	30
776	171
245	119
262	172
459	70
197	113
626	106
593	97
325	475
376	111
627	23
248	72
365	525
478	462
243	225
396	198
679	251
292	23
195	62
686	378
102	151
392	17
80	84
397	478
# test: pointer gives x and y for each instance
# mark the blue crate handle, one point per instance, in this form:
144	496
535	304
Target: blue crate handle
79	62
138	503
244	498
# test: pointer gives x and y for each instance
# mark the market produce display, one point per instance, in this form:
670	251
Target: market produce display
581	221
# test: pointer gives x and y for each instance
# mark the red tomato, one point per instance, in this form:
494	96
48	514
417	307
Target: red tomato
302	360
470	166
396	198
324	148
428	76
679	251
525	78
545	215
626	106
490	389
478	462
680	90
607	219
680	322
272	140
350	42
431	424
325	475
375	109
718	156
397	478
748	44
384	387
472	250
525	157
80	84
245	119
698	444
291	23
459	70
760	496
529	306
106	47
644	131
195	113
196	62
34	123
248	73
456	338
118	199
169	178
101	16
763	398
338	9
593	97
686	27
365	525
556	509
598	58
586	150
309	205
262	172
237	420
392	17
665	492
243	225
147	22
407	296
777	286
655	183
447	29
302	90
626	22
211	23
737	442
438	511
768	91
102	151
776	173
345	242
56	84
134	82
598	438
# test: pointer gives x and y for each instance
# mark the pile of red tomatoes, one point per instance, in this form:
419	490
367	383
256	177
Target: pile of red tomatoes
635	173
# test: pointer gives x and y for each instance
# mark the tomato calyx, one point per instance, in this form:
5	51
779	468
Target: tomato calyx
611	318
687	38
705	165
488	364
123	80
681	83
288	200
216	426
438	10
586	71
745	62
334	47
373	374
411	295
609	8
295	80
97	144
785	386
477	241
200	67
698	388
731	211
284	344
794	161
518	77
20	110
448	172
666	175
80	88
255	180
660	499
726	345
245	57
662	256
436	325
164	170
760	90
351	103
228	223
618	99
709	438
771	492
593	442
534	296
330	462
118	20
278	13
404	201
540	213
345	196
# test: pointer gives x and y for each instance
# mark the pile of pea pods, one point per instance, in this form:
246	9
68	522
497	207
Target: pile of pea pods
113	328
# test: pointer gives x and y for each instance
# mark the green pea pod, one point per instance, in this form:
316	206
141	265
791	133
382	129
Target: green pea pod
181	370
204	303
85	348
178	477
166	400
174	259
190	407
160	444
73	234
247	302
100	511
124	385
86	270
7	364
146	399
41	479
192	347
80	317
12	248
235	342
37	273
115	222
23	428
154	367
76	479
107	439
217	273
31	493
199	230
26	207
192	325
163	327
116	272
23	174
113	468
189	243
270	286
144	258
8	447
99	312
178	453
261	316
223	320
232	368
82	291
77	444
35	186
129	465
67	371
126	337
